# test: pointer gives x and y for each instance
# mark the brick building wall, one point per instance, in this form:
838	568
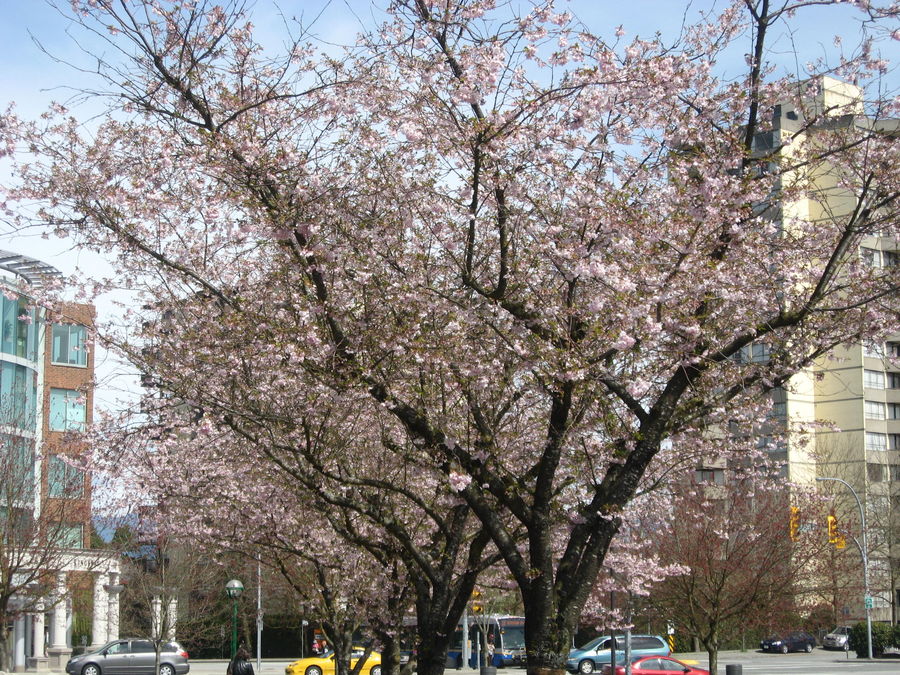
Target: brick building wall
73	508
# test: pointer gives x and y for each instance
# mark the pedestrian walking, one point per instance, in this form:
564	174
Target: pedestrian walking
240	664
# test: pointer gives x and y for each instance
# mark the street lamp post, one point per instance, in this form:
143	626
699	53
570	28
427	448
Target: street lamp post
233	589
864	552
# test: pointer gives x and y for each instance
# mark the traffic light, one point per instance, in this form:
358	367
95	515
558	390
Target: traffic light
833	536
795	523
477	607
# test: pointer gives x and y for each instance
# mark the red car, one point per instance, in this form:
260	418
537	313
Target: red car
657	665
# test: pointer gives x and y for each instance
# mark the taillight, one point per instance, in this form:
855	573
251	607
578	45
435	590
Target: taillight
183	653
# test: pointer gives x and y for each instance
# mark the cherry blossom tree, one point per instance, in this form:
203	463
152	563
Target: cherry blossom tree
308	509
531	257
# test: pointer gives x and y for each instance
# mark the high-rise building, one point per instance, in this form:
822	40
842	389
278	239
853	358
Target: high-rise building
855	388
46	401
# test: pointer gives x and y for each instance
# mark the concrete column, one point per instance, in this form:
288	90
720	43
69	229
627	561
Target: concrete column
173	618
28	618
19	645
58	631
112	614
59	650
70	619
37	623
99	624
39	660
155	615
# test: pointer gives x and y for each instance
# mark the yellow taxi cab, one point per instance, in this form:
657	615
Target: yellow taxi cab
325	664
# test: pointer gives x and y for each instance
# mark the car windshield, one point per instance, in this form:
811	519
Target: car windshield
593	643
841	630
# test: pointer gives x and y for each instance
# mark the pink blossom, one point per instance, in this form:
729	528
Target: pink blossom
459	481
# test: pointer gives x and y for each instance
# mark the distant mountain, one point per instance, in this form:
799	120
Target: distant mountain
106	526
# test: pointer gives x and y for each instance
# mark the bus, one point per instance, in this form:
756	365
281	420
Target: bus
505	633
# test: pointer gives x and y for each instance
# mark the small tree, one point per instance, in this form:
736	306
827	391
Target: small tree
167	586
744	557
33	542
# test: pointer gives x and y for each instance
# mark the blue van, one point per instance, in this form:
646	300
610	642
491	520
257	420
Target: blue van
596	653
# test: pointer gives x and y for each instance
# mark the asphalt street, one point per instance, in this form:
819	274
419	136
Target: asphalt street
820	662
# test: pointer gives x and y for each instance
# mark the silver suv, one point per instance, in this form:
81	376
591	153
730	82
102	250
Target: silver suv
837	639
130	657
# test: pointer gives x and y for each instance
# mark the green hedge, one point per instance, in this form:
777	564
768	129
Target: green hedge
883	636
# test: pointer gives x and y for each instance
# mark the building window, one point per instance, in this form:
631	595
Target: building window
874	410
894	441
64	480
875	442
893	380
873	379
892	349
19	337
68	411
18	478
875	472
710	476
69	345
71	535
870	257
893	411
874	258
759	352
18	396
873	350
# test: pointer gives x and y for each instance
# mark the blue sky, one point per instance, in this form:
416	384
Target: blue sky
31	78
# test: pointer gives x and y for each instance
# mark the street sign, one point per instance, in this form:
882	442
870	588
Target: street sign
869	602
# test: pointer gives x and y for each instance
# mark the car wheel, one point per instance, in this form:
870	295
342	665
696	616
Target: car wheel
784	649
808	648
314	670
847	646
166	669
376	670
91	669
586	667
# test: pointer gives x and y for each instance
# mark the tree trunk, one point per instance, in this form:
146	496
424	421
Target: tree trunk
712	651
390	654
440	604
548	638
4	643
431	658
341	641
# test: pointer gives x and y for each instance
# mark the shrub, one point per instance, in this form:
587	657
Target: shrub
883	636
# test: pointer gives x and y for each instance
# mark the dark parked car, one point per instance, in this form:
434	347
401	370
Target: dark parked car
794	641
130	657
